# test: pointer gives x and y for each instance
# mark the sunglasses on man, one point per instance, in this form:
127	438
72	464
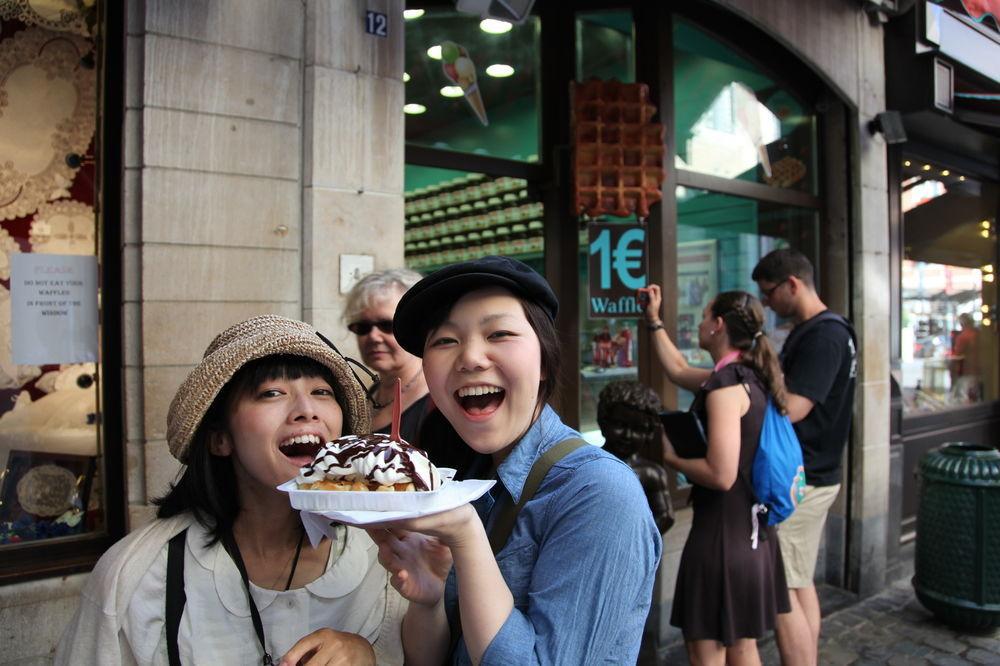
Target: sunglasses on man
365	327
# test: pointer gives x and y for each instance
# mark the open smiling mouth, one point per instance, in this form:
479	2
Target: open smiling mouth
301	449
480	400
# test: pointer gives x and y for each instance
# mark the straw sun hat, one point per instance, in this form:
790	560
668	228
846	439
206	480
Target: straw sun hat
247	341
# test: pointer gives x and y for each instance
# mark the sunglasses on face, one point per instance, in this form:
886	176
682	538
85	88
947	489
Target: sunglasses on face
365	327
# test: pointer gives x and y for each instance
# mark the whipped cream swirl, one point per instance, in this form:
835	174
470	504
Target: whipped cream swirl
374	458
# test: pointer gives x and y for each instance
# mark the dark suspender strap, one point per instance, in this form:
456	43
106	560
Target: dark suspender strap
176	598
507	510
234	552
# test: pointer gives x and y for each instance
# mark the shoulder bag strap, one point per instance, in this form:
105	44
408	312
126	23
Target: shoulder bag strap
507	512
800	330
176	597
507	516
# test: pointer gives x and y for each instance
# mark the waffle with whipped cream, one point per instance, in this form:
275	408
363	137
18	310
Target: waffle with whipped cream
369	463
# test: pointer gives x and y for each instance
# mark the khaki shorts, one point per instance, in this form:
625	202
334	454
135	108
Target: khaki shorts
801	533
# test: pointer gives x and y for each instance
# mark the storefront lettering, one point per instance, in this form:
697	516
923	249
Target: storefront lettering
617	268
626	305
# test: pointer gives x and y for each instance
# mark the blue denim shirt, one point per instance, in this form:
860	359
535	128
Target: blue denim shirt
579	563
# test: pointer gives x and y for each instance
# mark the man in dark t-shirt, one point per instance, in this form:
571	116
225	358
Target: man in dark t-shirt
819	360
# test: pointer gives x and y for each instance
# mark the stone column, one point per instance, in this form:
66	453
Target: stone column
213	211
352	184
869	469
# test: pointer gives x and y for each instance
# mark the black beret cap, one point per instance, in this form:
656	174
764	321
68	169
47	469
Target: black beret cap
446	285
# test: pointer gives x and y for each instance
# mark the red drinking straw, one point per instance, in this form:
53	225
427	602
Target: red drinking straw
397	410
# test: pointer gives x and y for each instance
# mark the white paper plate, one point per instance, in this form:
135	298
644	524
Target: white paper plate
451	496
348	500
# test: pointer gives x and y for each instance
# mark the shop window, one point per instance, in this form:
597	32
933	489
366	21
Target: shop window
948	340
51	485
605	49
734	121
605	46
720	238
472	85
456	216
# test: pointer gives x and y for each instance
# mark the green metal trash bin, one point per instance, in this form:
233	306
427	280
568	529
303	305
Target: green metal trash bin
957	568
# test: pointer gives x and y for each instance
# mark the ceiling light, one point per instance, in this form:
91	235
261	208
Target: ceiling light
494	27
927	167
414	109
946	173
434	52
985	309
406	77
452	91
985	233
499	71
988	268
906	163
962	178
988	277
985	224
986	321
410	14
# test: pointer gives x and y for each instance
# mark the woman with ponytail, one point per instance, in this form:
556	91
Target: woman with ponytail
728	592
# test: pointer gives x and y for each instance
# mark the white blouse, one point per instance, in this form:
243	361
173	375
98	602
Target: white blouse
353	595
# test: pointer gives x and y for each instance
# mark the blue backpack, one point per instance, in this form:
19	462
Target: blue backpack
779	475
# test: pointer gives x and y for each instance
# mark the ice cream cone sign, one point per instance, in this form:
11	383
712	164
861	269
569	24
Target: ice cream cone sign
748	118
460	70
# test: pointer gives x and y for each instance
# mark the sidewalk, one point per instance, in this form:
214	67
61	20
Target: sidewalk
888	628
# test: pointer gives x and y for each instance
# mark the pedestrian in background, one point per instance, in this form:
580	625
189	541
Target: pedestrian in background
731	582
819	360
370	307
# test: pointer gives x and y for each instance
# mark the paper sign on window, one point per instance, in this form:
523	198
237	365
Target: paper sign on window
53	301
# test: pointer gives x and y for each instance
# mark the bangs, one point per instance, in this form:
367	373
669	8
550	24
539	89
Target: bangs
281	366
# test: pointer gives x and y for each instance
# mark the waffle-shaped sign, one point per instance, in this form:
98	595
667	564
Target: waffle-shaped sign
617	151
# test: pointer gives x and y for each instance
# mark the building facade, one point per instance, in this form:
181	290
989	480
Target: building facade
245	155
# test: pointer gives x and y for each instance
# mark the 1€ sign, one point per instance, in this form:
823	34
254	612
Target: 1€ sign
617	268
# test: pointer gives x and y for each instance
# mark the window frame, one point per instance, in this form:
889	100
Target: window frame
59	557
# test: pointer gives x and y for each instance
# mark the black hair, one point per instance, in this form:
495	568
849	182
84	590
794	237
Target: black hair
207	487
779	265
545	330
548	342
628	416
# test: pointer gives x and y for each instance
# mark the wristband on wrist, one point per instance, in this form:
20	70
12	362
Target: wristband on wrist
653	326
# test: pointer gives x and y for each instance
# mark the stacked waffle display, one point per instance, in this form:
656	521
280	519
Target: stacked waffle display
618	152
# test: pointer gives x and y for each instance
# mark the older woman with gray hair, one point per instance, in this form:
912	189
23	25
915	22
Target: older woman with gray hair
370	307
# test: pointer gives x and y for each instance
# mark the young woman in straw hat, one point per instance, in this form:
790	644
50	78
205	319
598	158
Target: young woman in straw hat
561	571
222	575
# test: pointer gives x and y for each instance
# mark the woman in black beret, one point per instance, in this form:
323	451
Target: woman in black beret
556	563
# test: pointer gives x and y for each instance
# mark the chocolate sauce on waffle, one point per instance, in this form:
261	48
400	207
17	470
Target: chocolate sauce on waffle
374	459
